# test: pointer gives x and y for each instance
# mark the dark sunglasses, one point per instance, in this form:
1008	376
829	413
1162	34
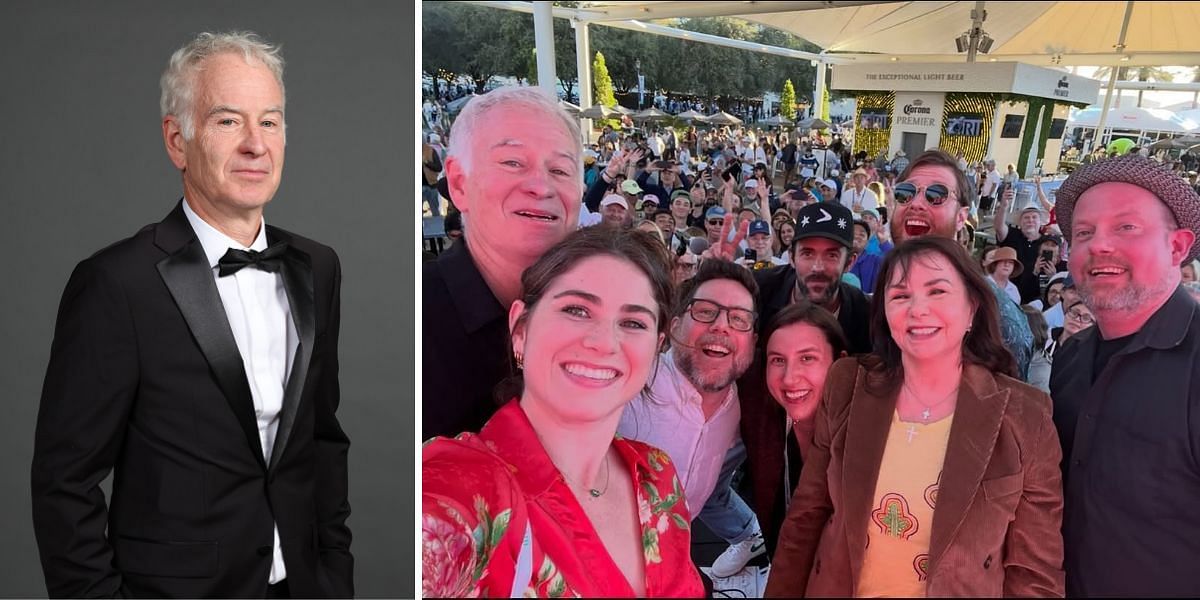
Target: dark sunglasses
935	194
716	221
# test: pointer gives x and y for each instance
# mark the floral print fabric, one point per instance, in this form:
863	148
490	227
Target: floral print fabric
480	491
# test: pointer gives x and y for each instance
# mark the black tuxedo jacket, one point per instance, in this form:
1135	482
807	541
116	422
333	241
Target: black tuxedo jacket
145	380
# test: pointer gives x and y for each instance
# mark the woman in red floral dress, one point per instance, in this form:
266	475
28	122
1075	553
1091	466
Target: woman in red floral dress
545	500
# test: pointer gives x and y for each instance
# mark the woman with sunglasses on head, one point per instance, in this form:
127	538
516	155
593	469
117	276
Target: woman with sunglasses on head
934	471
545	500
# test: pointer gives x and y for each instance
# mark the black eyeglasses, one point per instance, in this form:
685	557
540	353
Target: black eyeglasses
936	194
716	221
707	311
1082	317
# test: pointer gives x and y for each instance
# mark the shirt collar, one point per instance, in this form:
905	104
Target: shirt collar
215	243
474	301
512	437
1169	325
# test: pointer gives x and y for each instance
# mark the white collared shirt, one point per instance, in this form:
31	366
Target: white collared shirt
864	199
256	305
673	421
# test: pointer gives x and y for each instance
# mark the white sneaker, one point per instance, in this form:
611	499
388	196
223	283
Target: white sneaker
735	557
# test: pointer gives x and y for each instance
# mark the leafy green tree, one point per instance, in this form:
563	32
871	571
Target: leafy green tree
603	92
787	100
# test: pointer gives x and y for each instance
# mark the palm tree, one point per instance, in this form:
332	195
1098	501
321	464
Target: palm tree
1152	74
1103	73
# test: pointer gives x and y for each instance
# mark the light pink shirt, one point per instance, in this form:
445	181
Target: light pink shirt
673	421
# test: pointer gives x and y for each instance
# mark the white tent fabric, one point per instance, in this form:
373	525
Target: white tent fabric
1083	33
1018	28
1138	119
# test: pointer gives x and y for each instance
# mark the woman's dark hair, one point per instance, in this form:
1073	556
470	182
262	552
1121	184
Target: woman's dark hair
807	312
983	344
1037	324
643	250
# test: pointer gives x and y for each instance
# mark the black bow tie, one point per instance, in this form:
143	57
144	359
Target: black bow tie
268	260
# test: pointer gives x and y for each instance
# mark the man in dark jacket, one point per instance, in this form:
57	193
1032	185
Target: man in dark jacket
822	252
1126	400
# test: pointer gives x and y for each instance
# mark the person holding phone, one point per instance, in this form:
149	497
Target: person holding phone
668	176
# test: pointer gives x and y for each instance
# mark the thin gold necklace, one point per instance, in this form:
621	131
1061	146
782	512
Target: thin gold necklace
595	493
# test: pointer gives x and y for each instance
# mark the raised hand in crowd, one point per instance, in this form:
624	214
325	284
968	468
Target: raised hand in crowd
725	249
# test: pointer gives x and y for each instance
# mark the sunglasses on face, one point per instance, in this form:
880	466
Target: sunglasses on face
935	194
716	221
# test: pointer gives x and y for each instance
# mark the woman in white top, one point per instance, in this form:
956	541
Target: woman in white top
1001	265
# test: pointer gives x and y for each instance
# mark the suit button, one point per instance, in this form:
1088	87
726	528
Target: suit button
264	550
987	562
817	569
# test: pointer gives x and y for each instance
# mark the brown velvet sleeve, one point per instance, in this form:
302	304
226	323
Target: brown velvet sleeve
1033	565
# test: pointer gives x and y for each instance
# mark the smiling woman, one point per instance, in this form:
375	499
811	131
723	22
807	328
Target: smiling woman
910	432
610	517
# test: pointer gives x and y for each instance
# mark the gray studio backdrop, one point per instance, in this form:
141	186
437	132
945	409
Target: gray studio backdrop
82	165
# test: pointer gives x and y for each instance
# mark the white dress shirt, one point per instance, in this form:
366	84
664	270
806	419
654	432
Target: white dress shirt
866	198
256	305
673	421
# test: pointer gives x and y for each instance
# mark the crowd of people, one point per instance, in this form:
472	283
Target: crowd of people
623	329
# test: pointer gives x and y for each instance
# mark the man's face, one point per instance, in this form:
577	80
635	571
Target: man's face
522	195
828	193
1126	250
871	221
680	207
1031	222
234	160
668	178
861	237
713	355
665	222
991	167
919	217
761	244
712	226
819	264
614	213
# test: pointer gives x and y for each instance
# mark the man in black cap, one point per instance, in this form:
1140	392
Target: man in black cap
822	251
1126	399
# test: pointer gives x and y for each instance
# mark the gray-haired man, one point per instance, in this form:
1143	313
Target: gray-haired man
197	361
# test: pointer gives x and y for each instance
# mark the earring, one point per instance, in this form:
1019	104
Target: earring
520	361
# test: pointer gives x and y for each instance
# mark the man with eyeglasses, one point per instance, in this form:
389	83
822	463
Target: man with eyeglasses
932	198
1126	399
691	410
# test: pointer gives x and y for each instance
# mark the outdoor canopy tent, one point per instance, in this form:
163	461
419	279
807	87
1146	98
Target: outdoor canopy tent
1132	118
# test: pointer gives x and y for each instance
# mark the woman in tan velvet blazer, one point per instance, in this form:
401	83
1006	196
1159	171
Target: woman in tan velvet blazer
934	471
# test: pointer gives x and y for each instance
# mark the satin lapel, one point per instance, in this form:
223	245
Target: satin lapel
189	278
298	283
977	418
866	435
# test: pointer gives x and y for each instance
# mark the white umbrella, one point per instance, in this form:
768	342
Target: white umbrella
691	115
777	121
651	114
724	118
598	111
571	108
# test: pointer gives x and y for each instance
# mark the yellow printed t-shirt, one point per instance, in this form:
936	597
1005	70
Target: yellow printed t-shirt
896	561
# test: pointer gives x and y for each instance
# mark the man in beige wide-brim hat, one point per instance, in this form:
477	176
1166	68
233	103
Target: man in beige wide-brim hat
1126	393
